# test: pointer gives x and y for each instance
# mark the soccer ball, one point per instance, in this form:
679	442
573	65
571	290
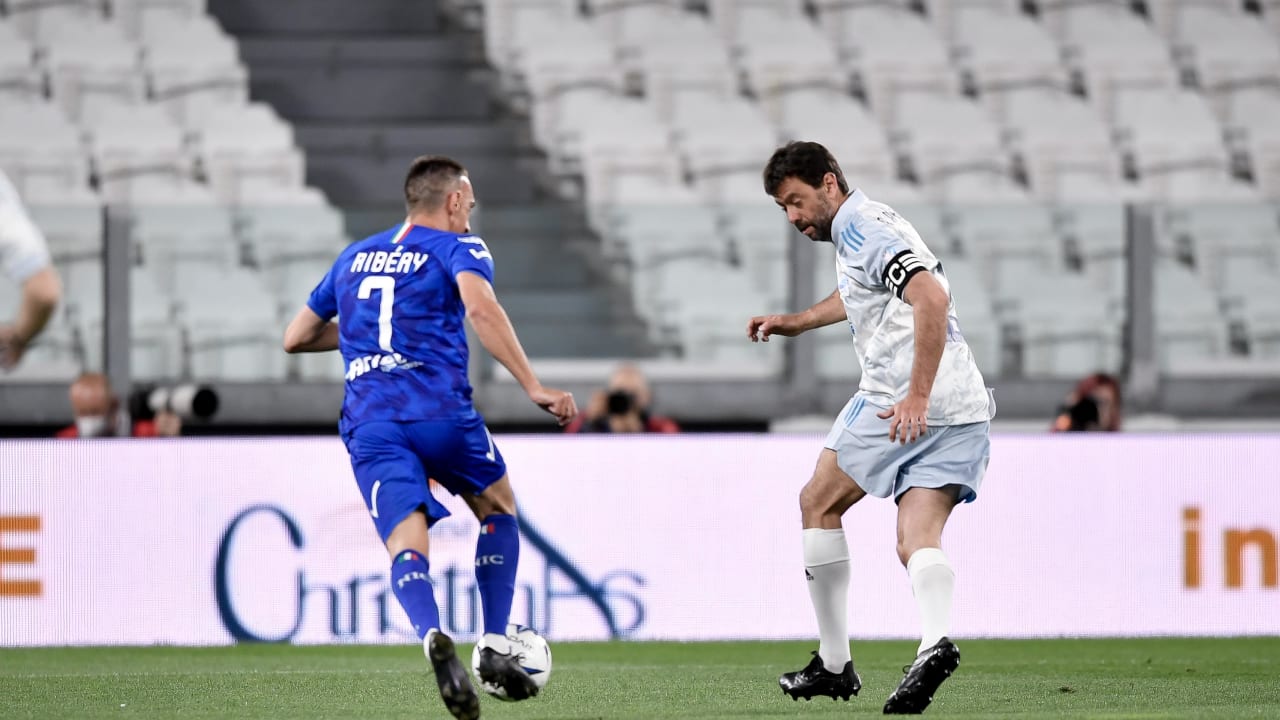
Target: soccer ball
531	649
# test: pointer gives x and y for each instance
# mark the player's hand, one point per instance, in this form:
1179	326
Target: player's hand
557	402
12	348
760	327
909	421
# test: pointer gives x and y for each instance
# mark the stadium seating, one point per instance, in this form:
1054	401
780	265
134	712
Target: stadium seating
1109	48
1023	135
1011	139
998	48
1189	323
19	76
871	39
147	112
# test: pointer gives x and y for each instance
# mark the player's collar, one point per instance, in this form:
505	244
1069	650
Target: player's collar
849	206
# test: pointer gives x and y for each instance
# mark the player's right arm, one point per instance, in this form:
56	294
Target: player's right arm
496	333
308	332
313	329
828	311
40	295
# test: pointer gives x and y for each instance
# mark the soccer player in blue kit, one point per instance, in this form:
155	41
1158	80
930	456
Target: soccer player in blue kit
407	416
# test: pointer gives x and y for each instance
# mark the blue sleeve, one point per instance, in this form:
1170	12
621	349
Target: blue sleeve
472	255
324	300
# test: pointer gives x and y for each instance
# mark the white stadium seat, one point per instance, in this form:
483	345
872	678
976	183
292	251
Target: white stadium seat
38	19
232	329
155	347
1221	44
764	41
245	148
1248	115
1000	48
946	135
138	16
128	142
718	134
40	150
890	49
666	47
976	312
1055	133
192	66
1168	129
1190	326
19	75
1111	49
842	125
72	226
92	65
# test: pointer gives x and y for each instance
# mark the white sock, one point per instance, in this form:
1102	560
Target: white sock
826	566
932	580
499	643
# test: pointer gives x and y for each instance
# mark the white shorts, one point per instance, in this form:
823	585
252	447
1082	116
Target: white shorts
946	455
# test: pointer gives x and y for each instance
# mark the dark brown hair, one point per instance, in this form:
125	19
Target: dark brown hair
808	162
430	179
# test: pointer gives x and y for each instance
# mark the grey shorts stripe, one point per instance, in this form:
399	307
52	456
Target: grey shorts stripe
851	411
945	455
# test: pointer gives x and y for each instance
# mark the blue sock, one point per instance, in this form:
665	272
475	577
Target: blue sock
412	586
497	555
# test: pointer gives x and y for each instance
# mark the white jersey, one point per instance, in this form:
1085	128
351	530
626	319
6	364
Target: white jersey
877	252
23	252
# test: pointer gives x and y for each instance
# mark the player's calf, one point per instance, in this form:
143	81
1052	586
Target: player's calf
815	679
922	678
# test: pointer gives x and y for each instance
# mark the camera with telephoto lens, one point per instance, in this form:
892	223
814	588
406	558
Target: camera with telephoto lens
186	401
1083	414
620	402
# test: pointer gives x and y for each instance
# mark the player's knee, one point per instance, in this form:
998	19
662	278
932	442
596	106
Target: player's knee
809	498
904	552
487	504
816	499
503	508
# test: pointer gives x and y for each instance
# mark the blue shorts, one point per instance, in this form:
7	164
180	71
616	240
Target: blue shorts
394	460
946	455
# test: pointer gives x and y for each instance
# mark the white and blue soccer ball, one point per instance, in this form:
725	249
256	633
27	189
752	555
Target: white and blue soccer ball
532	651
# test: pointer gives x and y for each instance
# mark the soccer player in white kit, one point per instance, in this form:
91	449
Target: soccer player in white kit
917	430
24	257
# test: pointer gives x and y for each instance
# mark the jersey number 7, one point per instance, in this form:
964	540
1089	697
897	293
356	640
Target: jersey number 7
386	287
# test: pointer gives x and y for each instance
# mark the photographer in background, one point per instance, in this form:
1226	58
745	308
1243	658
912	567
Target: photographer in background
98	413
623	407
1094	405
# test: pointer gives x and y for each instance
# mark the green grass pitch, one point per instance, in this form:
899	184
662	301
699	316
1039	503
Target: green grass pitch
1150	678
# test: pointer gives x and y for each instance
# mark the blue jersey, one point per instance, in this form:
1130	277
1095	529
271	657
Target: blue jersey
401	330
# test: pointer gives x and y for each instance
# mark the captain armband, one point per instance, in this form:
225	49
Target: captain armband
899	270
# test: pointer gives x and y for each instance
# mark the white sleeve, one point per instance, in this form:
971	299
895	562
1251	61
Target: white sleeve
882	259
23	251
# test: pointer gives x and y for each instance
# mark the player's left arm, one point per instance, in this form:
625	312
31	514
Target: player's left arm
907	278
308	332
